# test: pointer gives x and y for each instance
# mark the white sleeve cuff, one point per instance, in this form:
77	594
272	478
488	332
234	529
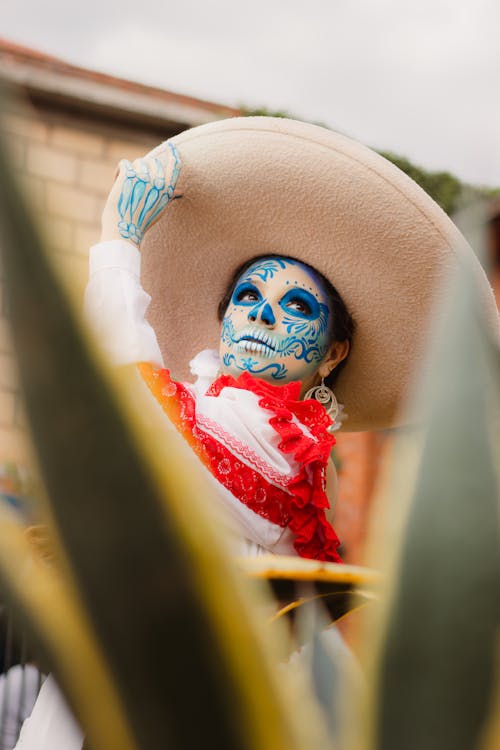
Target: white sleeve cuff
115	254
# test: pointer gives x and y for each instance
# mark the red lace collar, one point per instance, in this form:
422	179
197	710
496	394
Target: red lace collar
310	412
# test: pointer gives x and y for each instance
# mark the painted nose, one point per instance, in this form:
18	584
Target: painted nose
265	315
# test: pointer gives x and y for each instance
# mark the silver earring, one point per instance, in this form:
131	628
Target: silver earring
326	397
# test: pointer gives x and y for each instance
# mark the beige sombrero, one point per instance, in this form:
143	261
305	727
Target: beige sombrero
269	185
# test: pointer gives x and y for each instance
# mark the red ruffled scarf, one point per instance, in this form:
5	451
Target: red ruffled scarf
302	506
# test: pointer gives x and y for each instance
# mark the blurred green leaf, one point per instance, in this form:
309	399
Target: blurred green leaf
175	671
438	652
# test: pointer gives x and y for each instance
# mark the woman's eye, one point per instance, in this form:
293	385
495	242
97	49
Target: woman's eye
300	306
247	295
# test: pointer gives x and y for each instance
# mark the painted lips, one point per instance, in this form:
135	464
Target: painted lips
257	343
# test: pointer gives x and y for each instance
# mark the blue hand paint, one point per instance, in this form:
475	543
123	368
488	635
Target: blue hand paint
144	197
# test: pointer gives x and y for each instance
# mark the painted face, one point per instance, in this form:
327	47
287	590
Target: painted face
277	323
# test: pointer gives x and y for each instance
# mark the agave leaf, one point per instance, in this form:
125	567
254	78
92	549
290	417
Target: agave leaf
155	584
436	663
59	631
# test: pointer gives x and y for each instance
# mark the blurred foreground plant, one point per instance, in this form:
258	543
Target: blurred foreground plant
438	665
146	612
145	623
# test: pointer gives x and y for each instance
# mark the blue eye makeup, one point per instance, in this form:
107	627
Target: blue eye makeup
300	303
246	294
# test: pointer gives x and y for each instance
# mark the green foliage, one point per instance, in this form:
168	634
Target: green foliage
264	112
157	607
440	648
444	187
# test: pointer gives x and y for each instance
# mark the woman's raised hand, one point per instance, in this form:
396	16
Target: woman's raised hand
141	193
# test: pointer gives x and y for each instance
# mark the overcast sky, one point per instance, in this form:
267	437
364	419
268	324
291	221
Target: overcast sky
417	77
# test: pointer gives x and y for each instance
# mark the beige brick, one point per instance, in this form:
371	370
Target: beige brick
120	149
85	236
5	336
51	163
77	141
8	372
7	408
24	126
71	203
97	176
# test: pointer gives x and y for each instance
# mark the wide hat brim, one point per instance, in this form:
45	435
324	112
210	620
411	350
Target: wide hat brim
269	185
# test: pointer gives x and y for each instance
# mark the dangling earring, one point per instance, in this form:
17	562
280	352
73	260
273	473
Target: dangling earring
326	397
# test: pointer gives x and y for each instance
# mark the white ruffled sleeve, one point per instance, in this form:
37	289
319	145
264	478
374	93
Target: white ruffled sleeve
205	367
116	304
51	726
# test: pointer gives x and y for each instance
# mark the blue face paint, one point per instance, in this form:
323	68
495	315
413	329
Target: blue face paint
277	323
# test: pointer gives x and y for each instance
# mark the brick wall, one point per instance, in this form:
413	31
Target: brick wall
360	455
67	164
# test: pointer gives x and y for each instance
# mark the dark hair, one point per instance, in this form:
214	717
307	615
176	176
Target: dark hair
343	327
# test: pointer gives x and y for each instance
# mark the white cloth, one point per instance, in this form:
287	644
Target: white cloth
19	688
51	726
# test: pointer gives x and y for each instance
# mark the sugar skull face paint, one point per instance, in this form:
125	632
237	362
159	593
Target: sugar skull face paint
277	324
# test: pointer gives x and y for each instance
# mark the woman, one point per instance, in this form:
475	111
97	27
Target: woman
284	330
